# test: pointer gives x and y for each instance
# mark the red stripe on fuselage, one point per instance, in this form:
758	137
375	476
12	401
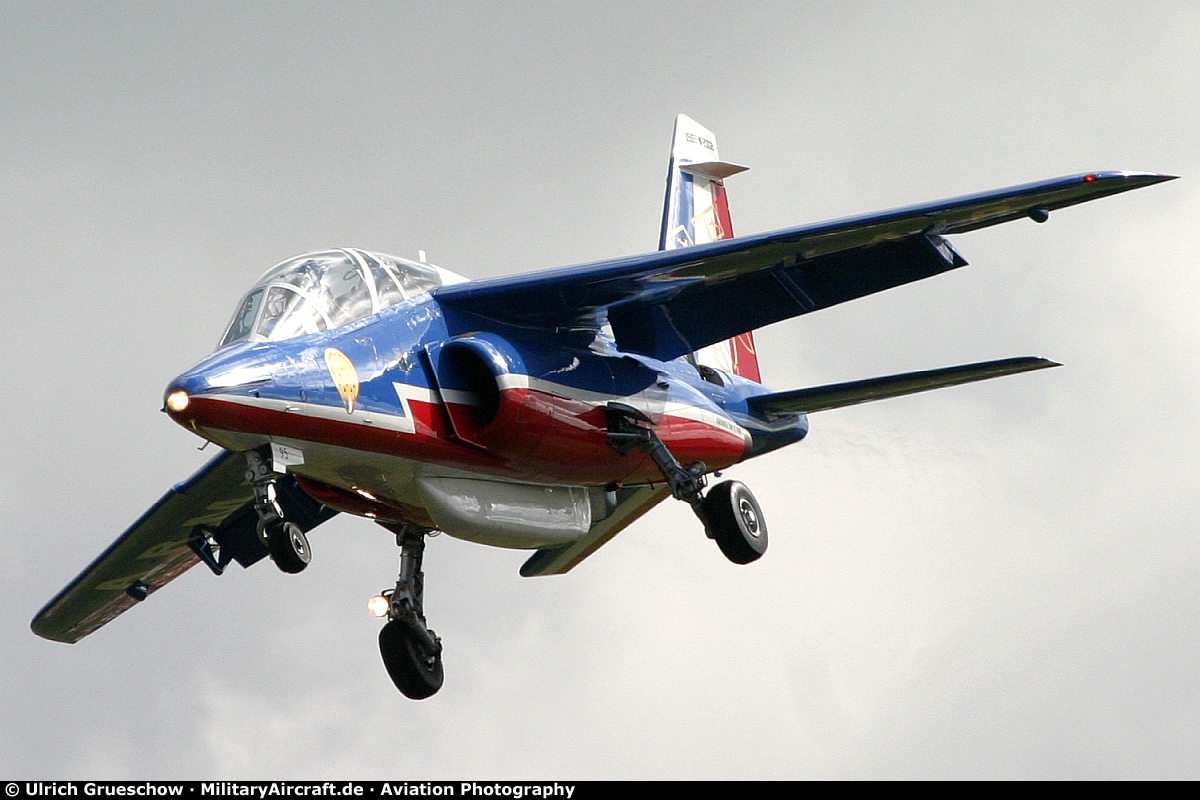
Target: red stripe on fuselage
559	436
537	436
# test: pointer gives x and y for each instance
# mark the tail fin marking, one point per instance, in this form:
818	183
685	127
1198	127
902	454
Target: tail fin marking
696	211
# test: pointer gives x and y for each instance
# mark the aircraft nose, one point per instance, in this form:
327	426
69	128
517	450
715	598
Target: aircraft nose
211	377
180	391
177	399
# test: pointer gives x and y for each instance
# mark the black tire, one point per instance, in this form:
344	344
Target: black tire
289	547
736	522
416	674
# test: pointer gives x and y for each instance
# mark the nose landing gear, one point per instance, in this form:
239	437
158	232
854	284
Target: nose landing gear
284	540
288	546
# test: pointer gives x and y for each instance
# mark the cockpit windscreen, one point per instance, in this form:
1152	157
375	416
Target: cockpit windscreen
321	291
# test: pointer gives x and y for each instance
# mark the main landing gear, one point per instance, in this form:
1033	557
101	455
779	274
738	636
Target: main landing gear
729	512
411	652
285	540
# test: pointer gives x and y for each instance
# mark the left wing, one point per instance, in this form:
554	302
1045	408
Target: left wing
671	303
210	517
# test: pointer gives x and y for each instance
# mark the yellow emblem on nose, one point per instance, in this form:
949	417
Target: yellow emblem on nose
344	376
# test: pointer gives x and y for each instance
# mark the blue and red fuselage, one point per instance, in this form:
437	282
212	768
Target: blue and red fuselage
429	385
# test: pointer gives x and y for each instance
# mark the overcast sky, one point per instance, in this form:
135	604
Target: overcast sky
998	580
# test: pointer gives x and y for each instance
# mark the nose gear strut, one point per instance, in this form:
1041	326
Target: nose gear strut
262	478
284	539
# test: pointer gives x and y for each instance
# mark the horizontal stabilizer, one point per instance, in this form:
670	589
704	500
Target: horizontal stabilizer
713	170
823	398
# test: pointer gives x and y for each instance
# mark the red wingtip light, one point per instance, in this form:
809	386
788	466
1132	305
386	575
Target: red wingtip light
1089	178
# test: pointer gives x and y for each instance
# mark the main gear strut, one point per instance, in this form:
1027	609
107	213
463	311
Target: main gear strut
730	514
630	429
412	653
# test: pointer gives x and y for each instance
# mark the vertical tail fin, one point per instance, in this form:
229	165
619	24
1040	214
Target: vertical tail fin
696	211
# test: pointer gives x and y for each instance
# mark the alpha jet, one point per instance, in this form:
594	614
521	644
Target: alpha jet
543	412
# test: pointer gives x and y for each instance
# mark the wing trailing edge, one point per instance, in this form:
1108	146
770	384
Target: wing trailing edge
823	398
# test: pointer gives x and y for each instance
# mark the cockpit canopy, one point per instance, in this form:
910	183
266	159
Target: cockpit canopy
326	290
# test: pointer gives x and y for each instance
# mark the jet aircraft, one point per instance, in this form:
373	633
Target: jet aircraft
545	411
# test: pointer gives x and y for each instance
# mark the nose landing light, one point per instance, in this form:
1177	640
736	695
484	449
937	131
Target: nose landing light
177	401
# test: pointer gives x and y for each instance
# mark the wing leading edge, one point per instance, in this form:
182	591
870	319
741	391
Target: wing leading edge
662	304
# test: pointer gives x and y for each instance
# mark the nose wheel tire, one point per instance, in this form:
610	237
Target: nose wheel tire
735	521
416	673
288	546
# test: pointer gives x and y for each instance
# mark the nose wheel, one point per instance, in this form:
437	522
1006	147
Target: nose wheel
285	540
288	546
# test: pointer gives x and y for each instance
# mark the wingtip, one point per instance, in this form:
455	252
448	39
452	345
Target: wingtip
1138	178
1030	363
49	632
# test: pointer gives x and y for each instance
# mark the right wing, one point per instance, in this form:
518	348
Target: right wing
210	517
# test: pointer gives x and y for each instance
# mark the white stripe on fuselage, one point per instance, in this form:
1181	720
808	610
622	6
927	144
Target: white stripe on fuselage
598	399
361	416
405	423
